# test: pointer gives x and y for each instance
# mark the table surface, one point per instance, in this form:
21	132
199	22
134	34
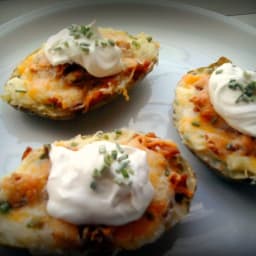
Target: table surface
242	10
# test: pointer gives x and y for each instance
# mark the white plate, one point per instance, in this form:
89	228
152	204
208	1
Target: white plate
222	218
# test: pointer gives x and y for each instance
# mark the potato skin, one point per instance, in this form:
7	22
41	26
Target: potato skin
230	153
65	91
27	225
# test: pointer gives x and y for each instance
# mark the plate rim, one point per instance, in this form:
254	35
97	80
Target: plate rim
63	5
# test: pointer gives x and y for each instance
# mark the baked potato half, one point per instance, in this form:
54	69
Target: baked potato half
25	223
230	152
65	90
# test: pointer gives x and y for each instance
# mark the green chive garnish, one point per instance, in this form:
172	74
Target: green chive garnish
167	172
196	124
21	90
219	71
5	207
93	185
114	154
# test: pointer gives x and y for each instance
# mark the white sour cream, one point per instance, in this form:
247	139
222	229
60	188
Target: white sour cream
239	114
85	46
77	195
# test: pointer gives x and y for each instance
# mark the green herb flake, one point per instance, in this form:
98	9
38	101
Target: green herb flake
103	44
73	144
96	173
89	34
196	124
114	154
214	119
149	39
248	92
66	44
93	185
111	42
135	44
58	49
105	137
108	160
219	72
4	207
167	172
21	90
35	222
125	173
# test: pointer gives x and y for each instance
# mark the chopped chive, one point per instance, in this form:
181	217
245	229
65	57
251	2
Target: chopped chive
114	154
108	160
96	173
5	207
111	42
248	92
21	90
219	71
103	44
89	35
167	172
35	222
118	133
135	44
58	48
106	137
149	39
196	124
93	185
214	120
66	44
73	144
125	173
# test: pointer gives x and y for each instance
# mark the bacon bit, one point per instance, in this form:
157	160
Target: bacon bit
150	141
22	189
217	144
151	135
179	184
203	105
190	79
26	153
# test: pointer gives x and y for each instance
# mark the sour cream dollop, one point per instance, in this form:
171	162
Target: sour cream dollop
101	183
226	97
84	45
